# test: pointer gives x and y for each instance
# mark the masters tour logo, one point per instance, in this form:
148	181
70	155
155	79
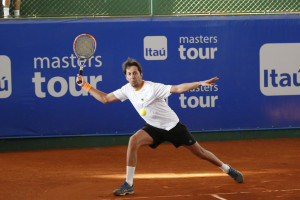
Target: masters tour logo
5	77
155	48
280	69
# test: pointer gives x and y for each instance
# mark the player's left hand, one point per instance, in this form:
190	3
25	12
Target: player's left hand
209	82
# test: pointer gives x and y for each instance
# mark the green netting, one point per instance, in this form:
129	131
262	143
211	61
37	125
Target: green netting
190	7
69	8
120	8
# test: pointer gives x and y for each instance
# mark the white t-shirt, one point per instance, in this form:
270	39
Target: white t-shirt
151	97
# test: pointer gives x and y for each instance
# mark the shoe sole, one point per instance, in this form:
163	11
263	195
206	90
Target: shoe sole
123	194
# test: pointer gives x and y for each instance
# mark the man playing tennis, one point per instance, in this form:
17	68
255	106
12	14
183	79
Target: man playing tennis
162	123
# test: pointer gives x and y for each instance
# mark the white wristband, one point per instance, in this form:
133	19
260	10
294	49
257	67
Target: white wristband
199	83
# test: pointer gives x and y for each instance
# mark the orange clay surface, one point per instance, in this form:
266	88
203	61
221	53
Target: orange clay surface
271	170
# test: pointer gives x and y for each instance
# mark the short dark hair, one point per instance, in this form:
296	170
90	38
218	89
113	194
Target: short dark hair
131	62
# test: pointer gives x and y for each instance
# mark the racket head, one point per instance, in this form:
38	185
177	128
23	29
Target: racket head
84	46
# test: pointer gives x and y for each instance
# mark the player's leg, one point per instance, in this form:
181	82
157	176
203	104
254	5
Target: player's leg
137	140
180	135
207	155
202	153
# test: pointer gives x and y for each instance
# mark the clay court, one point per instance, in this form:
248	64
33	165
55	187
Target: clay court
270	168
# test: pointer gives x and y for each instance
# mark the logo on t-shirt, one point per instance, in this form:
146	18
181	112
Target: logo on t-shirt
155	48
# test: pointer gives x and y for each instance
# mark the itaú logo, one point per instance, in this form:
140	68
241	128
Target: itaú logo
155	48
5	77
280	69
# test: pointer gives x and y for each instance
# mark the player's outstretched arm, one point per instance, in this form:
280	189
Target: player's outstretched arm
184	87
97	94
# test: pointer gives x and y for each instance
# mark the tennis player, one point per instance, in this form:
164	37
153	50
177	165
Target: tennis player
162	123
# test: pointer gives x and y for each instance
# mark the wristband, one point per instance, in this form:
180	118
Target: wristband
199	83
87	87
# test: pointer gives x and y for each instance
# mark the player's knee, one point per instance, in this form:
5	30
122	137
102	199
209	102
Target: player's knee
201	153
133	142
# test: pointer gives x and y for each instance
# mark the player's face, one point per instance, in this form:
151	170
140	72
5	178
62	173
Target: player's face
134	77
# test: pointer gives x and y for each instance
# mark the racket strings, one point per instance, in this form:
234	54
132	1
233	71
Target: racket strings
84	46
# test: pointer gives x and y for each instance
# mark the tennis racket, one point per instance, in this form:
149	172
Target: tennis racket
84	47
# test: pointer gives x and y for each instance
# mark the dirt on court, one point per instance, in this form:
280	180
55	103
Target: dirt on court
270	167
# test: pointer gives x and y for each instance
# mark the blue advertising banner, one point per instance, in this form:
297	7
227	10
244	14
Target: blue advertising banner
256	58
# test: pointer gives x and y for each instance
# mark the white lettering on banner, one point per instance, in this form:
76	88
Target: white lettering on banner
198	39
212	88
194	101
201	101
58	86
280	69
65	85
193	53
5	77
188	50
64	62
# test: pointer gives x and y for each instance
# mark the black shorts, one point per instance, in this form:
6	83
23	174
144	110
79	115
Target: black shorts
179	135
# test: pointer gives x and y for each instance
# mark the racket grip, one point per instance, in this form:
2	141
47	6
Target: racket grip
80	73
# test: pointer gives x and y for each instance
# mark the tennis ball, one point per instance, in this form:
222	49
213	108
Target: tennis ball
143	112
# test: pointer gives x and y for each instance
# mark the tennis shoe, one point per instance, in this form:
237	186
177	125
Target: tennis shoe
124	190
236	175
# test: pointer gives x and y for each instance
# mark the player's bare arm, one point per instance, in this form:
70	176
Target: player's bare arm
97	94
103	97
184	87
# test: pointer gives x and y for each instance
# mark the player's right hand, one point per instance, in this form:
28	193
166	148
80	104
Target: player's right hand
80	78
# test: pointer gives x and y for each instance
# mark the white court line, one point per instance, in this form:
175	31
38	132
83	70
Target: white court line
218	197
161	175
289	190
167	196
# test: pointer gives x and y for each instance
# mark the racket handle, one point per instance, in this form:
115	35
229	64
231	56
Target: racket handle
80	73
